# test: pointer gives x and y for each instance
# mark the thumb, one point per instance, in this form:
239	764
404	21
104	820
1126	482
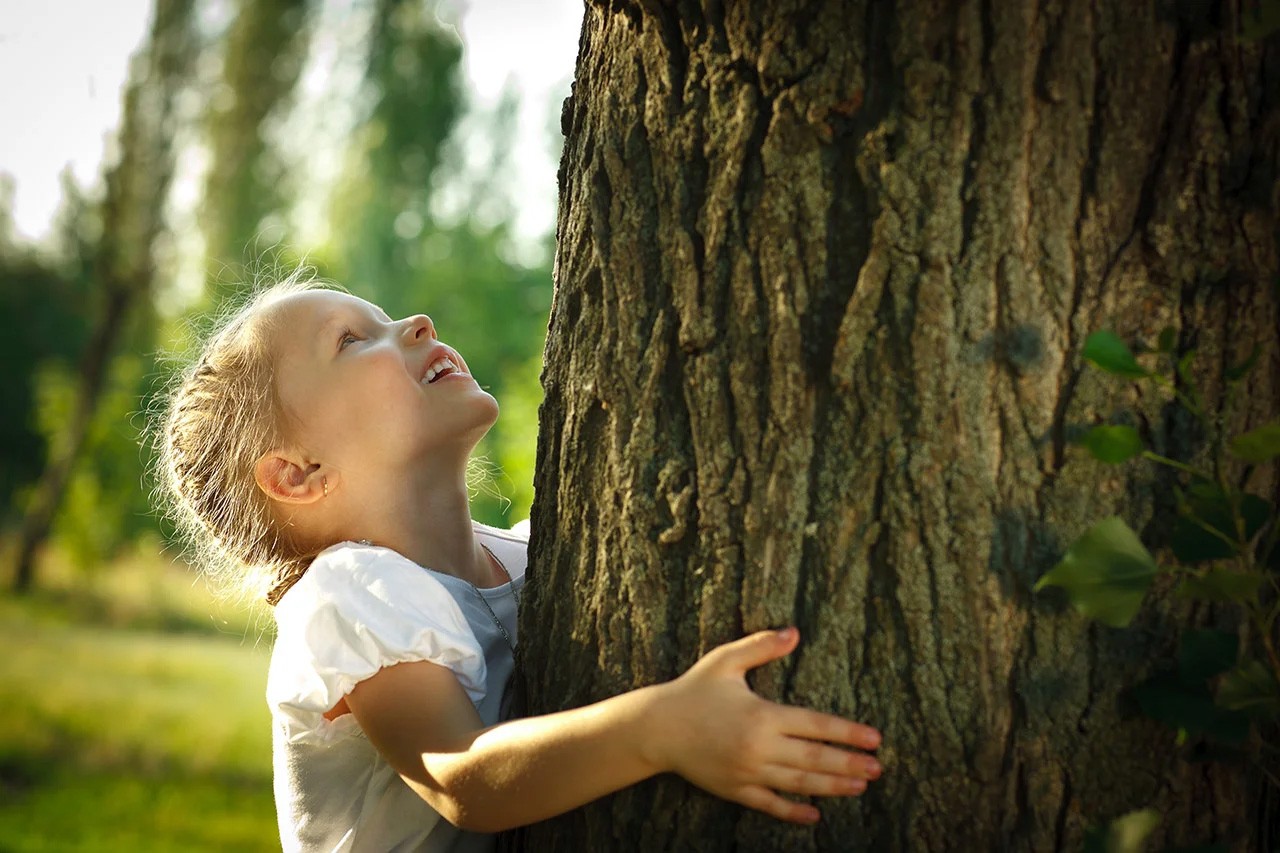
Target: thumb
756	649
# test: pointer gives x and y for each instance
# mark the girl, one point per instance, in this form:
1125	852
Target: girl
325	445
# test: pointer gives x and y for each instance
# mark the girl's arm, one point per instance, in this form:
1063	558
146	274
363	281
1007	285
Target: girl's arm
706	725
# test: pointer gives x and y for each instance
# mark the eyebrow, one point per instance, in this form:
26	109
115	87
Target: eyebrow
343	317
334	320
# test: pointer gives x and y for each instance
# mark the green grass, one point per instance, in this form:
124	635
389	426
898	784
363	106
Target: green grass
131	719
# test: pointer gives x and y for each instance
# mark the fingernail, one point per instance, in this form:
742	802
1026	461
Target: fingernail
785	633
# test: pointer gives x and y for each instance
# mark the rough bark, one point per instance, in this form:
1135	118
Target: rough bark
823	277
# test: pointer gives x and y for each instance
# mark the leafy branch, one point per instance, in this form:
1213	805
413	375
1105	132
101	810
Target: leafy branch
1225	548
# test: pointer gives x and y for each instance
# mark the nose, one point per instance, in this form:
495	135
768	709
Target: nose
419	328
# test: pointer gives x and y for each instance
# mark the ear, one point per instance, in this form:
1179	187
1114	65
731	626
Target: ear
288	479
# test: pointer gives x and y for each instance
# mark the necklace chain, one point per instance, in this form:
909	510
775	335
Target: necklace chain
494	616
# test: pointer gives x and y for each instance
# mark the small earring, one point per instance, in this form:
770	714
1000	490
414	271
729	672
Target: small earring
324	481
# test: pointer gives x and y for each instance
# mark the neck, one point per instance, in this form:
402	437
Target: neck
426	518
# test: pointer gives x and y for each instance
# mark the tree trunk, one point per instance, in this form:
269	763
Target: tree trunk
824	273
266	46
37	521
137	187
823	278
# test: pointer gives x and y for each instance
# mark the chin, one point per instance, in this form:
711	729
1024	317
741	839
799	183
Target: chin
492	409
486	415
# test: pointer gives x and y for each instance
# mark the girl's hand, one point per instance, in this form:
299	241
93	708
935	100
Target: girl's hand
711	729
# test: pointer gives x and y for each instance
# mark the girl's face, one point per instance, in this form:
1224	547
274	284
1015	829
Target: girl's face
360	389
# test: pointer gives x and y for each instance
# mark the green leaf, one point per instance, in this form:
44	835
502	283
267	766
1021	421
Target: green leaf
1206	503
1271	560
1222	584
1204	653
1105	572
1109	352
1126	834
1192	544
1259	19
1241	370
1258	445
1184	366
1250	687
1112	444
1168	700
1214	505
1168	339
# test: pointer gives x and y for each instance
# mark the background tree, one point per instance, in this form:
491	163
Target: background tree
262	56
49	295
824	277
122	264
412	81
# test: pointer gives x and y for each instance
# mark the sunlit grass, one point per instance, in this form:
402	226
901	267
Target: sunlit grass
133	718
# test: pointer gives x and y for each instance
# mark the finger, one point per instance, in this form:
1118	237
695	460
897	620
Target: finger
795	780
763	800
814	725
755	649
812	756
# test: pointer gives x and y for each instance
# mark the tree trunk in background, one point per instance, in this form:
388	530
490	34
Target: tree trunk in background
824	275
137	187
265	50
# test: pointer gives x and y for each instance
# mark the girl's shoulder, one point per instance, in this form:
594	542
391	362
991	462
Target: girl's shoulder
357	609
358	575
357	560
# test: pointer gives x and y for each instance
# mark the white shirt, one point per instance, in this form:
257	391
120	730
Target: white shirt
357	609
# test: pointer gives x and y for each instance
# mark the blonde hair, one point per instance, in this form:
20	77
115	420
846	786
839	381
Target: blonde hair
218	417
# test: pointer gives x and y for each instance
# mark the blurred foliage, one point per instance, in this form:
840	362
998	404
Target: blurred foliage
412	78
261	58
104	507
48	294
111	245
420	220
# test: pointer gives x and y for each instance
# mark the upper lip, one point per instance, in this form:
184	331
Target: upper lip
436	353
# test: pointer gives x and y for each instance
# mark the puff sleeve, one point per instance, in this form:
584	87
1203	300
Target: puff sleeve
356	610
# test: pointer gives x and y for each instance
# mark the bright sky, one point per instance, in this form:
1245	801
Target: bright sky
64	63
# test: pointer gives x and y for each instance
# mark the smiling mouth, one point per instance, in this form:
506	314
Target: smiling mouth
439	369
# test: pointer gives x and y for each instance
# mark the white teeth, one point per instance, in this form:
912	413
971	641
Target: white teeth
437	367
